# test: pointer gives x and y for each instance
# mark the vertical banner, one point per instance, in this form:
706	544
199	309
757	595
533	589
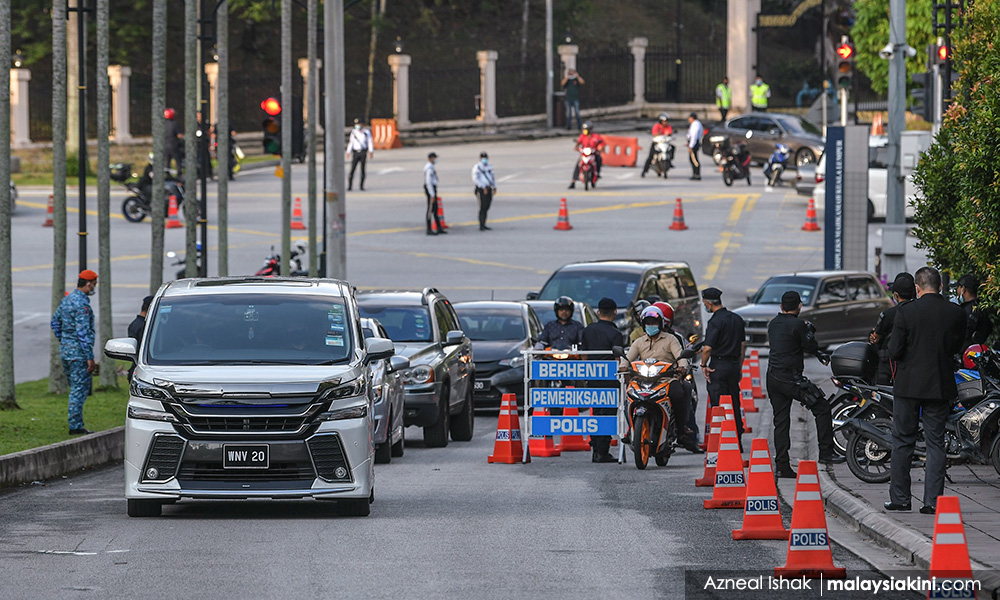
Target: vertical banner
833	210
846	210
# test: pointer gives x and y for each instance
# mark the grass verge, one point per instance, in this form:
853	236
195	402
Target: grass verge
42	418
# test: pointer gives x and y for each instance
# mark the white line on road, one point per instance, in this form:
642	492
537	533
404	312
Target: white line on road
27	318
389	170
507	177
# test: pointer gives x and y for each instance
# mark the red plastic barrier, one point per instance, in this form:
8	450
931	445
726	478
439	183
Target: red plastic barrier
620	151
385	135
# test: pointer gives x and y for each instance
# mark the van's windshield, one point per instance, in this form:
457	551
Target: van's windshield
249	329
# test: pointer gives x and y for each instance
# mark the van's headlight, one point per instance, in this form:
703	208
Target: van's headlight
339	414
148	414
513	363
355	387
418	374
141	389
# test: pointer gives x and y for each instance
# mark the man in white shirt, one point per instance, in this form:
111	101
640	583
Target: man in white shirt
486	186
431	189
694	135
359	148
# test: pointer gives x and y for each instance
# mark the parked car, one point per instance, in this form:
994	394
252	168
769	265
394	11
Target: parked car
499	331
626	281
387	389
843	305
438	384
878	182
250	387
804	137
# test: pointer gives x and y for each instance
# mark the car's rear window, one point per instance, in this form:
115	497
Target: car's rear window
492	325
401	323
771	291
249	329
591	286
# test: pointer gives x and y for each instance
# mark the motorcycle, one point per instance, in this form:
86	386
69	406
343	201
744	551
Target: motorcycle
138	205
650	413
736	161
272	263
971	429
588	168
663	154
236	155
182	272
776	164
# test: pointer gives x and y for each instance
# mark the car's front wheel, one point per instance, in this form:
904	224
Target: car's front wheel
464	423
436	435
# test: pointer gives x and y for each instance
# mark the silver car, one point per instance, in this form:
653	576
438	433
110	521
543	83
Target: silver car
250	387
387	387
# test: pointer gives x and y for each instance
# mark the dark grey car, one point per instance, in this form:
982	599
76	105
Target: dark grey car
804	137
438	384
387	391
843	305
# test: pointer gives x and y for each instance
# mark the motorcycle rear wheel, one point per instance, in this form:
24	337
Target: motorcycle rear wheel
132	210
775	177
641	432
994	456
867	460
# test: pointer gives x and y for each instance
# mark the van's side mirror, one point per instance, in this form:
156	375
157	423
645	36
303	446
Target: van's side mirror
532	296
122	349
454	337
378	349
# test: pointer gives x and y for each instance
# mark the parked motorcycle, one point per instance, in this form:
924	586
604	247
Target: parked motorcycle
736	161
272	263
180	261
588	168
138	205
663	154
776	164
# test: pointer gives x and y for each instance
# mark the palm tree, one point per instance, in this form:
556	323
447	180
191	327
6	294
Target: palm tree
159	103
222	135
109	379
7	399
57	378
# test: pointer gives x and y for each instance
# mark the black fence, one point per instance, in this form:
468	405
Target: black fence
444	94
520	89
672	77
608	75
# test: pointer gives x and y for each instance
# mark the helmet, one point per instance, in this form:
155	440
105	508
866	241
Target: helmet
637	307
652	313
667	310
168	114
975	350
588	126
563	302
663	116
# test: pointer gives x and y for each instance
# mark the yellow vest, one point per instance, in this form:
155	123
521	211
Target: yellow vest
758	94
723	96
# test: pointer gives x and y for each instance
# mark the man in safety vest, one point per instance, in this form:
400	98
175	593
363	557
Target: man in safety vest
759	93
723	98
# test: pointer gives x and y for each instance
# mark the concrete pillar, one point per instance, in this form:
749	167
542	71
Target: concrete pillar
121	131
400	65
638	46
212	74
19	132
567	54
741	50
487	85
304	71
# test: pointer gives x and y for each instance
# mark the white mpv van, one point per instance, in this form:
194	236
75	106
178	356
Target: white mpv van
250	387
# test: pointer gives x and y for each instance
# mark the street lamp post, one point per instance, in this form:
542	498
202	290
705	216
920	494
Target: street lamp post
81	9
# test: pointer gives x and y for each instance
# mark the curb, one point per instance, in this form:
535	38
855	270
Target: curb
61	458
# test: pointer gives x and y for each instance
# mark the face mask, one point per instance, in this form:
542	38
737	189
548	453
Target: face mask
652	330
92	292
357	127
484	161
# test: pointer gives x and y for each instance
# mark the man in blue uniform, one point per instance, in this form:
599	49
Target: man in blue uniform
73	325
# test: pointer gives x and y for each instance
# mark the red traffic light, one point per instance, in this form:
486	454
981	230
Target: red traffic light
942	52
845	51
271	107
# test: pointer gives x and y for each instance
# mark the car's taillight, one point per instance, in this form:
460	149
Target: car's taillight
819	178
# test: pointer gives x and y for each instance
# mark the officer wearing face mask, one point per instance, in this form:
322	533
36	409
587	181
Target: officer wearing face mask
73	326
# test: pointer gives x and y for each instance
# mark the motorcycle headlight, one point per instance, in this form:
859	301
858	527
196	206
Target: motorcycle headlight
148	414
649	370
418	374
141	389
513	363
715	139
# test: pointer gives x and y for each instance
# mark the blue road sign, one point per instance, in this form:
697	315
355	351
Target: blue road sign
583	425
574	397
550	370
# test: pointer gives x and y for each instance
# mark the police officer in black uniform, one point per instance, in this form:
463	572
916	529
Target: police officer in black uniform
725	345
979	326
903	290
602	335
789	337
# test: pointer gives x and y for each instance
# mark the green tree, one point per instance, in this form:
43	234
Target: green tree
958	218
870	34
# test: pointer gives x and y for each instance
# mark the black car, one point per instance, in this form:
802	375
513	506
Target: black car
438	384
499	331
626	281
804	137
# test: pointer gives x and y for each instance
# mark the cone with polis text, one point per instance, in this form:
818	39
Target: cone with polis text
48	214
573	443
678	224
441	213
811	224
507	448
173	221
950	553
755	381
762	513
542	445
563	222
726	402
809	553
730	490
297	222
746	389
712	455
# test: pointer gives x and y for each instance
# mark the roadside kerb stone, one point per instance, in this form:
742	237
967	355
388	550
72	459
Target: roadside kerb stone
39	464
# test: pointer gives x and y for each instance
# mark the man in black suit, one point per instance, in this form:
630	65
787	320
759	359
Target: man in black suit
603	335
926	335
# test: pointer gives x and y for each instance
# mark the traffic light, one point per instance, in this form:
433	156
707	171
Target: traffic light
923	97
941	53
271	126
845	64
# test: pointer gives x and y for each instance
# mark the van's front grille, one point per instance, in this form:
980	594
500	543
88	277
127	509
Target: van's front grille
282	421
163	456
328	454
213	471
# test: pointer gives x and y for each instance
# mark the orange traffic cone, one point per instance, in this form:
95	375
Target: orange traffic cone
563	223
811	224
762	514
48	214
727	402
678	224
809	552
444	225
746	390
297	215
950	554
712	455
730	489
173	222
542	445
573	443
507	449
708	425
755	382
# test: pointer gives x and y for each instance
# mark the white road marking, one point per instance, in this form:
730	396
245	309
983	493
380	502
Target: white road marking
27	318
389	170
507	177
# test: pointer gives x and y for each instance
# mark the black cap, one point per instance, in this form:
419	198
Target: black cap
483	155
790	300
432	155
969	282
712	293
904	286
146	302
693	116
607	305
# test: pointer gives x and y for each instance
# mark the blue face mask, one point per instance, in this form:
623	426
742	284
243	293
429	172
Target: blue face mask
485	161
652	330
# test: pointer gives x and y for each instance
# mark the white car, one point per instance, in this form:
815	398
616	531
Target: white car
877	182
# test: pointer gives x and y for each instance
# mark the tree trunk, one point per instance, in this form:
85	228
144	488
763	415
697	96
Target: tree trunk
7	399
286	136
57	378
159	103
378	10
222	129
191	68
73	84
312	115
109	379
